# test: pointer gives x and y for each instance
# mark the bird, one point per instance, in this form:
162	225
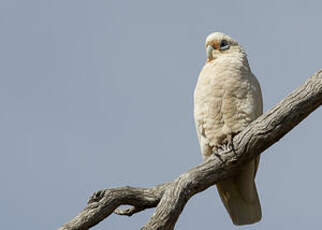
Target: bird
227	98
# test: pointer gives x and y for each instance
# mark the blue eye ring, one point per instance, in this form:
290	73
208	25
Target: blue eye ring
224	45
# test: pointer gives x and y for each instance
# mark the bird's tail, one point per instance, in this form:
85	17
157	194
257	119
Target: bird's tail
240	197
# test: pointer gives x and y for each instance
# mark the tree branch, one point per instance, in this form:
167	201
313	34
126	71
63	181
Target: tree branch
170	198
104	202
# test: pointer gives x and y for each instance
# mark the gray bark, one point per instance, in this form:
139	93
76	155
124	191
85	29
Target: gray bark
170	198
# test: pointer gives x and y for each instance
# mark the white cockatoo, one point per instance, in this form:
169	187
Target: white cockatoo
227	98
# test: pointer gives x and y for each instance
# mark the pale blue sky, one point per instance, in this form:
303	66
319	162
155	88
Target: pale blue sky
98	94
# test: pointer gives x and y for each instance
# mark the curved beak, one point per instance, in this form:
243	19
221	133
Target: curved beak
210	51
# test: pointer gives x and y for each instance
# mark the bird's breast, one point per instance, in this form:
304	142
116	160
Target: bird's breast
221	99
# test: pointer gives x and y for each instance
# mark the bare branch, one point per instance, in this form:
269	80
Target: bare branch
171	198
103	203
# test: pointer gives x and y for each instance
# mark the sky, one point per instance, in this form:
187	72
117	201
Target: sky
98	94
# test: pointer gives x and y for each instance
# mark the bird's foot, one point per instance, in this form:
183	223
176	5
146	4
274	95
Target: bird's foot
228	144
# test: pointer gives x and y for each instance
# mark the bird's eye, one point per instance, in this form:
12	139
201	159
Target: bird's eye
224	45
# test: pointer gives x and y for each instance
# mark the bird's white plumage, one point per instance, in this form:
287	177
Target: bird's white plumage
227	98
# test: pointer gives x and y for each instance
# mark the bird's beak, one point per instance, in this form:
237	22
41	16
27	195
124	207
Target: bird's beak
210	51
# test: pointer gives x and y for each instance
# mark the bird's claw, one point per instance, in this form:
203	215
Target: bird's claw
228	145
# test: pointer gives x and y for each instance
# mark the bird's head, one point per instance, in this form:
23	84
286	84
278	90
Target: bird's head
219	45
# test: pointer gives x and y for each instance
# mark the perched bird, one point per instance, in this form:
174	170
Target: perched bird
227	98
